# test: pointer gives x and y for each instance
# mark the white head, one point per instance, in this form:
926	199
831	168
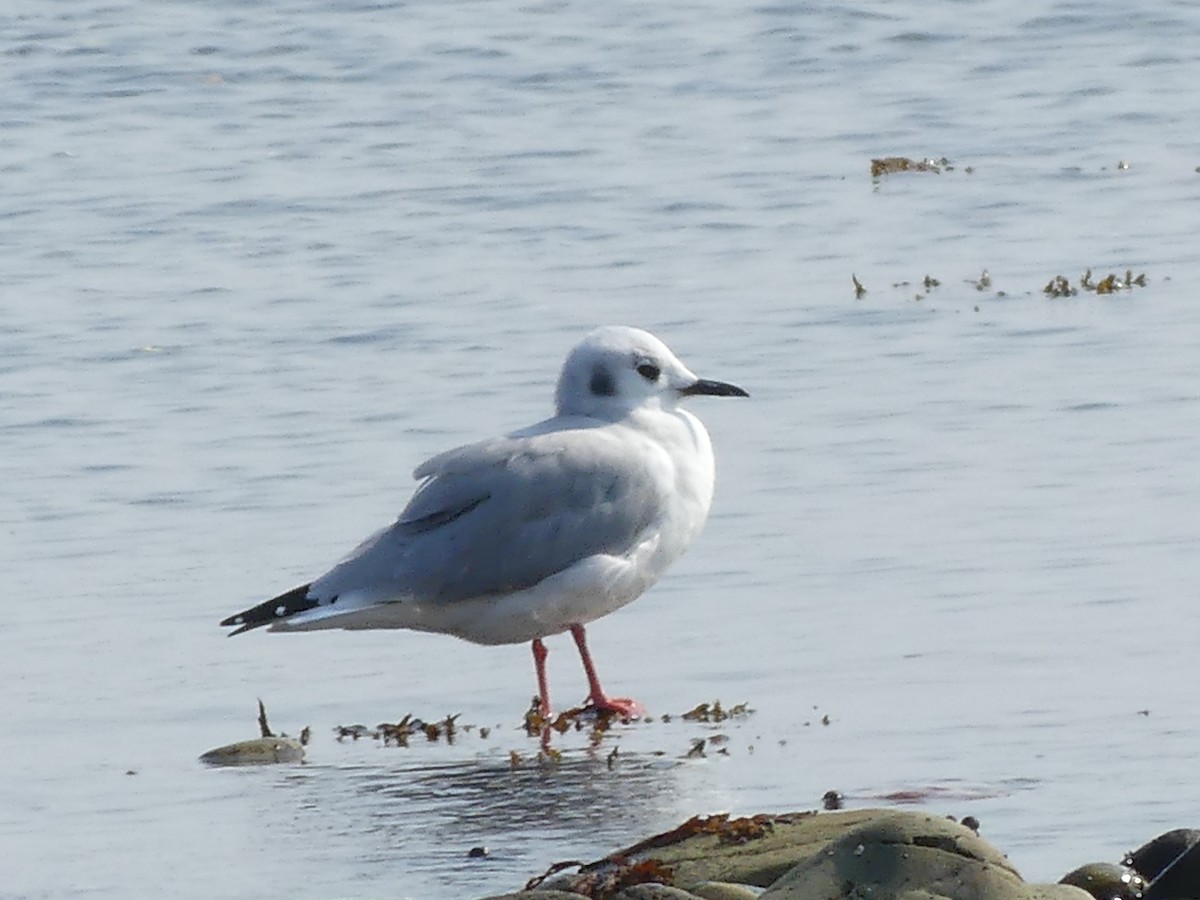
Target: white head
617	369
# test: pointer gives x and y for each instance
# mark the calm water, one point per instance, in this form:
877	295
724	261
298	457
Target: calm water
259	262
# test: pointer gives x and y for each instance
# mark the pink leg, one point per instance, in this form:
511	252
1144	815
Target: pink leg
596	698
539	664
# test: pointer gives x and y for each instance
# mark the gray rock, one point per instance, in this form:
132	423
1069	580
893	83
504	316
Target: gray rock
910	856
258	752
881	854
789	838
725	890
1040	891
654	892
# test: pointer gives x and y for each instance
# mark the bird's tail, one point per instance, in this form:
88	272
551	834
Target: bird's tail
288	604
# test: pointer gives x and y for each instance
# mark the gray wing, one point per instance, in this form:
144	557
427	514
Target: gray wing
502	515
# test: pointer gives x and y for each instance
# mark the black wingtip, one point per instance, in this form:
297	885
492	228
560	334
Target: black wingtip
288	604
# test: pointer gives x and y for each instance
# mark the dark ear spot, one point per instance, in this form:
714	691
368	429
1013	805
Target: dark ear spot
601	383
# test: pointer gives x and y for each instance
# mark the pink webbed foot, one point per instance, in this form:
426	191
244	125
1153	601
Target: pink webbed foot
624	707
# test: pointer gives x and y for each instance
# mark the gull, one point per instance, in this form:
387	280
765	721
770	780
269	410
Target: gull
542	531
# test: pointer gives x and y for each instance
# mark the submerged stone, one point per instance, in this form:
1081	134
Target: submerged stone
258	752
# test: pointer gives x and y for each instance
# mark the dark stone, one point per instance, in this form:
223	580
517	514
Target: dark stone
1105	881
1171	865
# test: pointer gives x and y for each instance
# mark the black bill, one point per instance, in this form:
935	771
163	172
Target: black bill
713	389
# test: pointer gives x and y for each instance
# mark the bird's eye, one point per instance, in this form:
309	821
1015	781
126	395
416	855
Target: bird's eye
649	371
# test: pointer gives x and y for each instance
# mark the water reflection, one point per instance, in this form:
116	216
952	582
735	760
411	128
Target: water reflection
423	818
491	795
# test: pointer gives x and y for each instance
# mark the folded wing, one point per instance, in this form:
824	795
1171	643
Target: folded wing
502	515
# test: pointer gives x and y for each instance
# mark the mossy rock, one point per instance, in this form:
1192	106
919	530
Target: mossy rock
724	890
790	839
1106	881
795	838
881	854
911	856
258	752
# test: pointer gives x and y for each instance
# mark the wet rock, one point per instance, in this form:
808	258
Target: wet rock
654	892
564	882
1056	892
785	840
807	856
1106	881
265	750
1152	858
258	752
725	890
910	855
884	854
1171	865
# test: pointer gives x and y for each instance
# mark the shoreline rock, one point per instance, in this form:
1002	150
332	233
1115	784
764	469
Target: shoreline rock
876	853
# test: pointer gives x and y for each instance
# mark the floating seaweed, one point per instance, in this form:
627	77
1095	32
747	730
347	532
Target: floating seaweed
1059	286
611	759
435	731
354	732
890	165
577	718
595	724
602	885
398	732
714	712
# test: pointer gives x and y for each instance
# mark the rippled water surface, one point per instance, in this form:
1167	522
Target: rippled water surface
258	261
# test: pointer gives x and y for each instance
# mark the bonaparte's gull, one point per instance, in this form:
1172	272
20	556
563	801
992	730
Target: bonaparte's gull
542	531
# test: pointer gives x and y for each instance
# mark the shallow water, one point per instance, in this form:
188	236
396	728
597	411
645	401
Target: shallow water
259	263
